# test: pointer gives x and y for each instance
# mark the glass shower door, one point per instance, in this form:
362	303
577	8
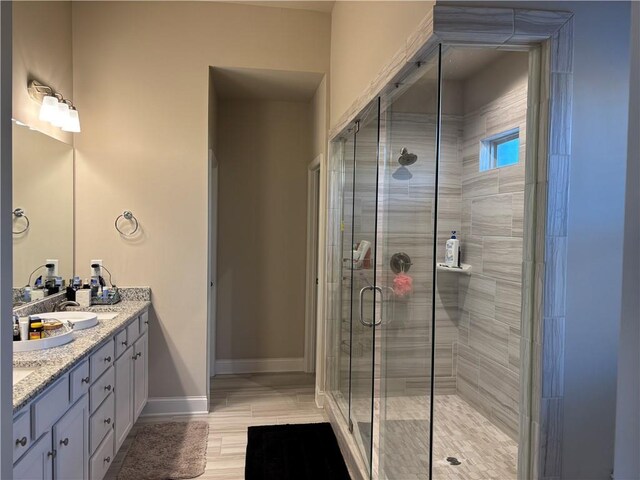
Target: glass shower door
407	206
365	293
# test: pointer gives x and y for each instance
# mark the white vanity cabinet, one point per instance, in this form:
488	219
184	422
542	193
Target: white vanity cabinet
69	437
73	430
140	372
123	396
131	369
60	453
37	463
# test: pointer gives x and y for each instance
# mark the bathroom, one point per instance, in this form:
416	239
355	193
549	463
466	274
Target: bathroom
272	187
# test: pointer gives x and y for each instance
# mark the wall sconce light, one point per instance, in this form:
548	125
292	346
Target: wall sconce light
54	108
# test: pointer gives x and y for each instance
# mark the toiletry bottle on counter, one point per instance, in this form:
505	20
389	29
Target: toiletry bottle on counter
83	297
452	251
16	328
35	328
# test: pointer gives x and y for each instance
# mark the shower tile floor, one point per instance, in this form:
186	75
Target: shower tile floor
460	431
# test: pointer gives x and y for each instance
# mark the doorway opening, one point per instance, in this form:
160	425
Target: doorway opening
264	211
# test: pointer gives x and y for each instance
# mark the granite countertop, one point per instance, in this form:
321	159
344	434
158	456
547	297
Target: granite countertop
54	362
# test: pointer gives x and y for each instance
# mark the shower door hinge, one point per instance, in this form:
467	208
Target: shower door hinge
350	426
357	126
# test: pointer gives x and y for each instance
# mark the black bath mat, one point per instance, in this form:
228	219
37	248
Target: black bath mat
294	452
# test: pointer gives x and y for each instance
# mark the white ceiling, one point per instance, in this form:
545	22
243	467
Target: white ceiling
261	84
324	6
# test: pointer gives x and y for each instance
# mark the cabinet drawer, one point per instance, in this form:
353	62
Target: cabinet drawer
101	460
21	434
133	331
101	389
79	381
101	423
121	342
144	322
50	406
102	359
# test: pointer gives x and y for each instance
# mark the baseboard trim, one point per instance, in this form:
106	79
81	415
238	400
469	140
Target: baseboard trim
259	365
175	406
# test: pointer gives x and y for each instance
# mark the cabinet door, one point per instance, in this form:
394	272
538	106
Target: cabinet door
124	396
70	439
141	368
37	463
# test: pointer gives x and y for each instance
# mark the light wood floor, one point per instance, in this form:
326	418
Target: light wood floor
238	402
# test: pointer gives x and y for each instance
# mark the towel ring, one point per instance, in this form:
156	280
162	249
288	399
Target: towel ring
19	213
127	215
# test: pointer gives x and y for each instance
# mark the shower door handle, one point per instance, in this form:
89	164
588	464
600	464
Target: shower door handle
362	320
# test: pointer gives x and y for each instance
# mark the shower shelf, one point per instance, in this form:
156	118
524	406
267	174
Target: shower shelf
465	268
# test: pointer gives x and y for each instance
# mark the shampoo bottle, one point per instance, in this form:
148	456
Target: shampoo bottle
452	251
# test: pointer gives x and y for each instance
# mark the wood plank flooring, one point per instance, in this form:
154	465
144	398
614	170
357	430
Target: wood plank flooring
237	402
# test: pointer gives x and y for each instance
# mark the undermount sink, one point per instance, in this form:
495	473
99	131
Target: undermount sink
20	373
80	320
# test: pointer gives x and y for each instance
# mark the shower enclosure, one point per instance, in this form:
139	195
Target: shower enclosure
423	358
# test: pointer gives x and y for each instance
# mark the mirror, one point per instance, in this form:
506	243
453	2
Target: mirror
42	218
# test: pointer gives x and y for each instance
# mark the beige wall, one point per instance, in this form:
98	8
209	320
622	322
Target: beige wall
43	188
264	149
42	51
364	38
141	73
319	119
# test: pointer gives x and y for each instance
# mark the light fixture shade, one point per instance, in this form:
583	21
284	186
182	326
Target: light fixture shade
49	108
61	116
73	122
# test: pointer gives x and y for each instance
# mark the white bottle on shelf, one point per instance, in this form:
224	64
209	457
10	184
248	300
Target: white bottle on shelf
452	251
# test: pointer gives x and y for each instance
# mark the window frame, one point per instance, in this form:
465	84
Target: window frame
489	149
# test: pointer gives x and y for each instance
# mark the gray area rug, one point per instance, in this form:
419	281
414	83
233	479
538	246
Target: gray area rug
167	451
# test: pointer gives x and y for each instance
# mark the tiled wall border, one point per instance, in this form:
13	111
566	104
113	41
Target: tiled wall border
546	197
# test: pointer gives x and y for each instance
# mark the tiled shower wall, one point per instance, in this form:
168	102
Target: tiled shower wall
407	226
489	300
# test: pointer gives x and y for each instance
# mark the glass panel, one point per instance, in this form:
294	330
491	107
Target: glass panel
363	307
507	153
343	230
477	338
407	204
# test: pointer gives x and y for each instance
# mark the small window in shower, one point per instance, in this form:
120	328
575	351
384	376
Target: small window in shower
500	150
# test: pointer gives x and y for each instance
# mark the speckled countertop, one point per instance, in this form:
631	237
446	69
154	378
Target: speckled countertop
54	362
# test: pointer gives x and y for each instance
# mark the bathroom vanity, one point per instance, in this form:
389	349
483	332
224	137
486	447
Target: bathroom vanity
77	403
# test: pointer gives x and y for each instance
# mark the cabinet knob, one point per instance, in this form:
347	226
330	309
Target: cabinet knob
146	322
125	343
21	441
139	354
85	380
108	388
107	459
107	359
64	442
107	421
52	454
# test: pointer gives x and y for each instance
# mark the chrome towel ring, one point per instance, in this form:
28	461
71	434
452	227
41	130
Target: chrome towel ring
19	213
127	215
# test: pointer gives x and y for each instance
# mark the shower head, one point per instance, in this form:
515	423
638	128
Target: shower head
407	158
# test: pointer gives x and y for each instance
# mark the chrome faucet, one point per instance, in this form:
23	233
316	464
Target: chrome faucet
63	304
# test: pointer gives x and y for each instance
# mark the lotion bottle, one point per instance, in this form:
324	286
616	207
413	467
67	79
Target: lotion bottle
452	251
